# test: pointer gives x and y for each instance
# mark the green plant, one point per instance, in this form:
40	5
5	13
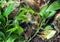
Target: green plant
6	28
9	32
47	12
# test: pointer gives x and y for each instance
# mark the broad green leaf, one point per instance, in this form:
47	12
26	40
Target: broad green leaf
30	10
22	16
46	14
54	6
20	30
27	9
12	38
9	9
15	23
51	14
43	11
11	30
48	27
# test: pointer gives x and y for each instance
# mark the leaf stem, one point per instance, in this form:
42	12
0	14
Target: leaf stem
40	26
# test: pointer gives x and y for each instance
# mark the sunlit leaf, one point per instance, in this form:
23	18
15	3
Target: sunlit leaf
8	10
43	11
54	6
22	16
11	30
46	14
20	30
51	14
30	10
27	9
48	27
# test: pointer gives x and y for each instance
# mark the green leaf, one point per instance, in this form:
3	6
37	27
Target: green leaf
22	16
11	30
27	9
15	23
51	14
2	35
23	9
43	11
1	1
46	14
48	27
54	6
12	38
30	10
20	30
8	10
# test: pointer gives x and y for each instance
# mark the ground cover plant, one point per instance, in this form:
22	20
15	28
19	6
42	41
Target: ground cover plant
29	21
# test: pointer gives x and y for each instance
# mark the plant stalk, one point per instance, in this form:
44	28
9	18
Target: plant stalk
40	26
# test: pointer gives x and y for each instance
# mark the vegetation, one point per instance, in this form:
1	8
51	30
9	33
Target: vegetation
11	30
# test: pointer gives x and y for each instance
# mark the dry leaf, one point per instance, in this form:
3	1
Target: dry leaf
47	34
